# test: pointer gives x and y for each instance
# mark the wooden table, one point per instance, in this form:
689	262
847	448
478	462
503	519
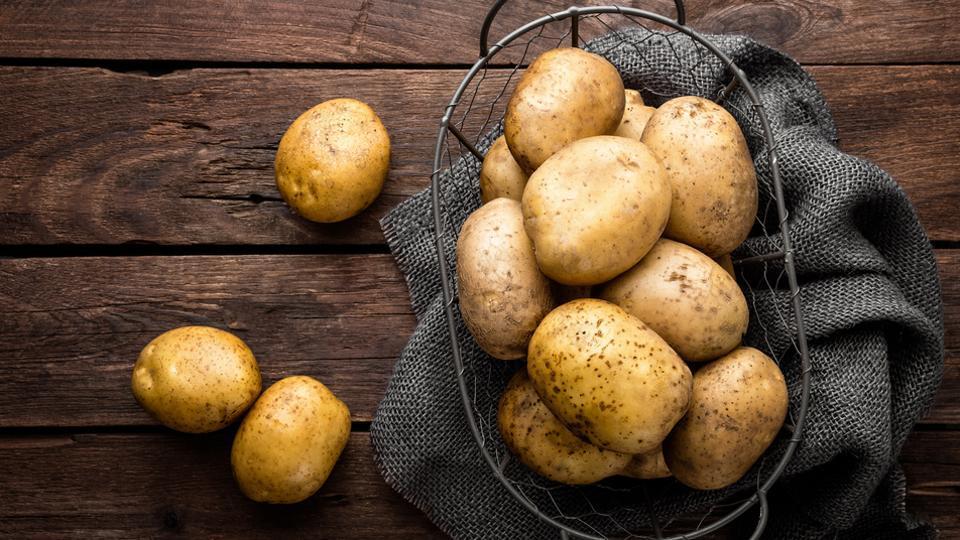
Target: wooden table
137	194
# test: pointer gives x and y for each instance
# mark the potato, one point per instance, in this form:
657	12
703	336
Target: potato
608	377
332	161
288	444
686	297
635	116
196	379
726	262
738	406
566	94
647	466
500	176
503	295
711	171
595	208
544	444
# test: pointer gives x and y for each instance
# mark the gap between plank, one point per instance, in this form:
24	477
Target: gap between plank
55	251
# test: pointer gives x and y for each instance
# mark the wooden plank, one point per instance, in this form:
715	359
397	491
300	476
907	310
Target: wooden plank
187	158
439	32
57	485
72	327
169	484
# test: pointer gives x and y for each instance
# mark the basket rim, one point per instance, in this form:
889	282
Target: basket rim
787	255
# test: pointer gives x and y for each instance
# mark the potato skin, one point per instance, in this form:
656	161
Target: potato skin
503	295
333	160
711	172
726	262
738	406
608	377
288	444
595	208
635	116
500	176
566	94
544	444
196	379
647	466
686	297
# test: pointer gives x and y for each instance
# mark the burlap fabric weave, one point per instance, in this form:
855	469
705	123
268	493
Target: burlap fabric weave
871	303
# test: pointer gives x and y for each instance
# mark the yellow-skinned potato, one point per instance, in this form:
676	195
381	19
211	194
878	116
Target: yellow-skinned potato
500	176
503	295
738	407
566	94
544	444
287	446
635	116
196	379
711	172
595	208
608	377
647	466
686	297
332	161
726	262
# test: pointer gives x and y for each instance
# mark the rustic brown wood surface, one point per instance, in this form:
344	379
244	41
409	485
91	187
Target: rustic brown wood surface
187	158
73	327
443	32
137	194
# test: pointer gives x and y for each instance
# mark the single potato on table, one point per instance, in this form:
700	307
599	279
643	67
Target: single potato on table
333	160
196	379
607	377
287	446
544	444
566	94
686	298
500	176
635	116
738	407
595	208
503	295
710	170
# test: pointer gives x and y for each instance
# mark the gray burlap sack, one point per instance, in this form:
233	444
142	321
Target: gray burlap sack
871	303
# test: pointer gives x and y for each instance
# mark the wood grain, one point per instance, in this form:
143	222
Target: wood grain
187	158
72	327
441	32
171	484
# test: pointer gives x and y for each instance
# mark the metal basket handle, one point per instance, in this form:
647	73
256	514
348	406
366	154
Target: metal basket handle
492	14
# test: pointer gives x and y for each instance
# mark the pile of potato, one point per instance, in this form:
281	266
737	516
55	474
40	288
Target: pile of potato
601	256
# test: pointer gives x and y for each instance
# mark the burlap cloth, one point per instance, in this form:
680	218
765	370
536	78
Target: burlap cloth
871	302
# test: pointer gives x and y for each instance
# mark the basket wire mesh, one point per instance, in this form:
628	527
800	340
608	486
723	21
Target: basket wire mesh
617	508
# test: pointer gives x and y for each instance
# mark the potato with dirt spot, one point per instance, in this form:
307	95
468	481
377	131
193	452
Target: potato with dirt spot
738	407
607	376
503	295
686	298
544	444
647	466
333	160
566	94
500	176
595	208
635	116
196	379
287	446
710	169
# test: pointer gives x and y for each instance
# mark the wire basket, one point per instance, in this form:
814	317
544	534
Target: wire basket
619	507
